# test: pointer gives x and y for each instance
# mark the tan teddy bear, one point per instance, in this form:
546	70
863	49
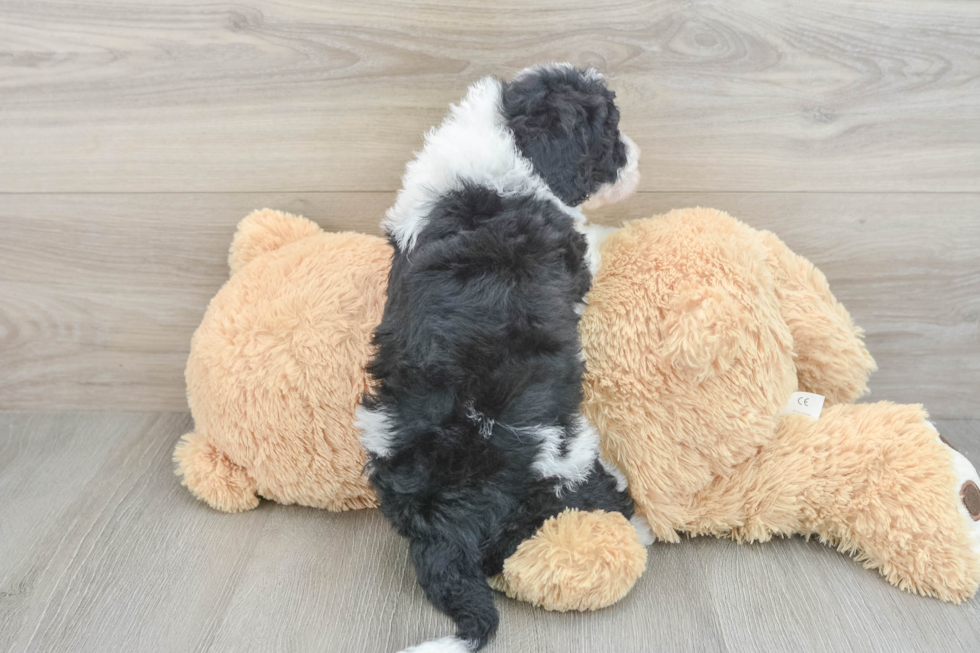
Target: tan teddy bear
275	373
699	329
697	333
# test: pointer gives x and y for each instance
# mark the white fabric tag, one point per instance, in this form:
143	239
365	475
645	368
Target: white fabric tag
804	403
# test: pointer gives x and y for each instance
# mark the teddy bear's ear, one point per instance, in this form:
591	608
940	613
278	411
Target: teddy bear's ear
265	231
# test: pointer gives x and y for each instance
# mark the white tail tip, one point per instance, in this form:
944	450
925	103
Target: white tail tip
442	645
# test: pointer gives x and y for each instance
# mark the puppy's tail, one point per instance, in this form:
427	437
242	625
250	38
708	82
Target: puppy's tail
450	574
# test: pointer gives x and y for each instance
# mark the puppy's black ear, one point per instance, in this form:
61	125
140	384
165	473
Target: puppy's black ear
566	123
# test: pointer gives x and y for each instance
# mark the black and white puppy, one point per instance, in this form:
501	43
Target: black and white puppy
473	427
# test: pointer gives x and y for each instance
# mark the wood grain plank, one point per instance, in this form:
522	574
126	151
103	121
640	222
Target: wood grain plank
103	550
308	95
94	559
99	294
758	589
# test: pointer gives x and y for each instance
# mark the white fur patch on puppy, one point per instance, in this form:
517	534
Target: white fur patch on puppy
595	235
616	473
643	531
376	430
442	645
581	453
473	144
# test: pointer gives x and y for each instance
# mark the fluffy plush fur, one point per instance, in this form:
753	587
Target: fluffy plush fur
725	322
472	427
576	561
276	372
270	422
277	368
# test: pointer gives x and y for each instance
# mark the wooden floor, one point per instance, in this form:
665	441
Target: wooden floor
101	550
134	135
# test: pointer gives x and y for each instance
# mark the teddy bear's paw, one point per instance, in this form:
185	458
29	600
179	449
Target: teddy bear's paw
212	477
967	491
578	560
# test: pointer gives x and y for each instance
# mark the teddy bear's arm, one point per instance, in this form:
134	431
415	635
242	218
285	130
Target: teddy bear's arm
829	351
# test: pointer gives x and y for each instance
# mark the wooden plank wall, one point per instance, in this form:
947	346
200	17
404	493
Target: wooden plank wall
134	136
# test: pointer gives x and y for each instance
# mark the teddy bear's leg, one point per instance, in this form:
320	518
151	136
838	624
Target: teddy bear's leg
967	489
578	560
831	358
211	477
899	498
875	481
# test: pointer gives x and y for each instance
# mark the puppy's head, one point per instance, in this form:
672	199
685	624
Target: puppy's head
565	121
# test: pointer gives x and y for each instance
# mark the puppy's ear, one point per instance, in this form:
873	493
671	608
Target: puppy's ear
566	123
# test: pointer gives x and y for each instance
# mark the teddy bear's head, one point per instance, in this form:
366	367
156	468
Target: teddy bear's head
277	366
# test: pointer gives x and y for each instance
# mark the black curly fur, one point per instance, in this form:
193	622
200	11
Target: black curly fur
478	347
567	124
